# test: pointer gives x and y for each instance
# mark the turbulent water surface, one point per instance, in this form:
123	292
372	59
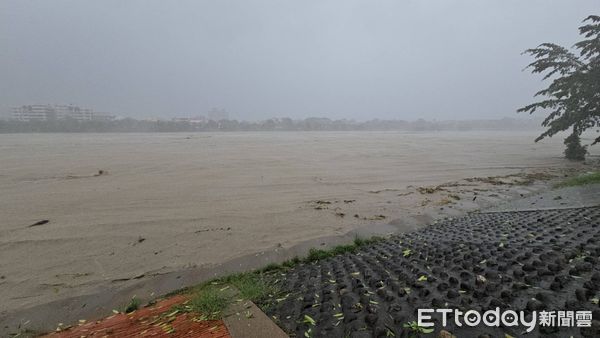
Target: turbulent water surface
120	206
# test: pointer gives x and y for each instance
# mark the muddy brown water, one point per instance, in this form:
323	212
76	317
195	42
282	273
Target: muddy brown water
174	202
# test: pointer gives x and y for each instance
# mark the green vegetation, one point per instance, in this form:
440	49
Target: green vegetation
572	97
574	150
416	329
252	286
210	301
291	263
212	298
588	178
276	124
133	305
317	254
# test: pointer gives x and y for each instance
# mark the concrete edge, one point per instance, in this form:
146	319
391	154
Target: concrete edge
592	205
243	318
246	320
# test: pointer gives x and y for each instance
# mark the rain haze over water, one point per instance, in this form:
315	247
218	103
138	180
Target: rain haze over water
261	59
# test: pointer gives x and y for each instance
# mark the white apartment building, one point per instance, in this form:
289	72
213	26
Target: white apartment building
44	112
34	112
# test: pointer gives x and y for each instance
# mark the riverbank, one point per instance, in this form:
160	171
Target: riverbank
147	214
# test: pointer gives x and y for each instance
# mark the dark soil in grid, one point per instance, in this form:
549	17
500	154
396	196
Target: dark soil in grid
526	260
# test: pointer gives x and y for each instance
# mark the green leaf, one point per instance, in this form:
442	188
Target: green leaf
308	319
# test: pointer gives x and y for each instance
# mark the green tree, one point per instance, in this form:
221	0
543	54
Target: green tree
573	96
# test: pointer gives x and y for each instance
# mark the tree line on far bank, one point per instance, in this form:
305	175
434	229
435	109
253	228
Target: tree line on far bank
275	124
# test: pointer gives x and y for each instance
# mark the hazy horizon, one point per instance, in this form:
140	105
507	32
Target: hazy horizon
360	60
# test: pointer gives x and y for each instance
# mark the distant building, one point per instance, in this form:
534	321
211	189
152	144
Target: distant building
45	112
193	120
102	116
216	114
74	112
34	112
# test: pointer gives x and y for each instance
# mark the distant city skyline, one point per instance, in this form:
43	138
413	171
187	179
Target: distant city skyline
45	112
214	114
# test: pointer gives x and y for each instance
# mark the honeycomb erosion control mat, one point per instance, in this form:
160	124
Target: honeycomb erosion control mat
525	260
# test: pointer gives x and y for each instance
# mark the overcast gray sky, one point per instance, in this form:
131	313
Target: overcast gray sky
401	59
